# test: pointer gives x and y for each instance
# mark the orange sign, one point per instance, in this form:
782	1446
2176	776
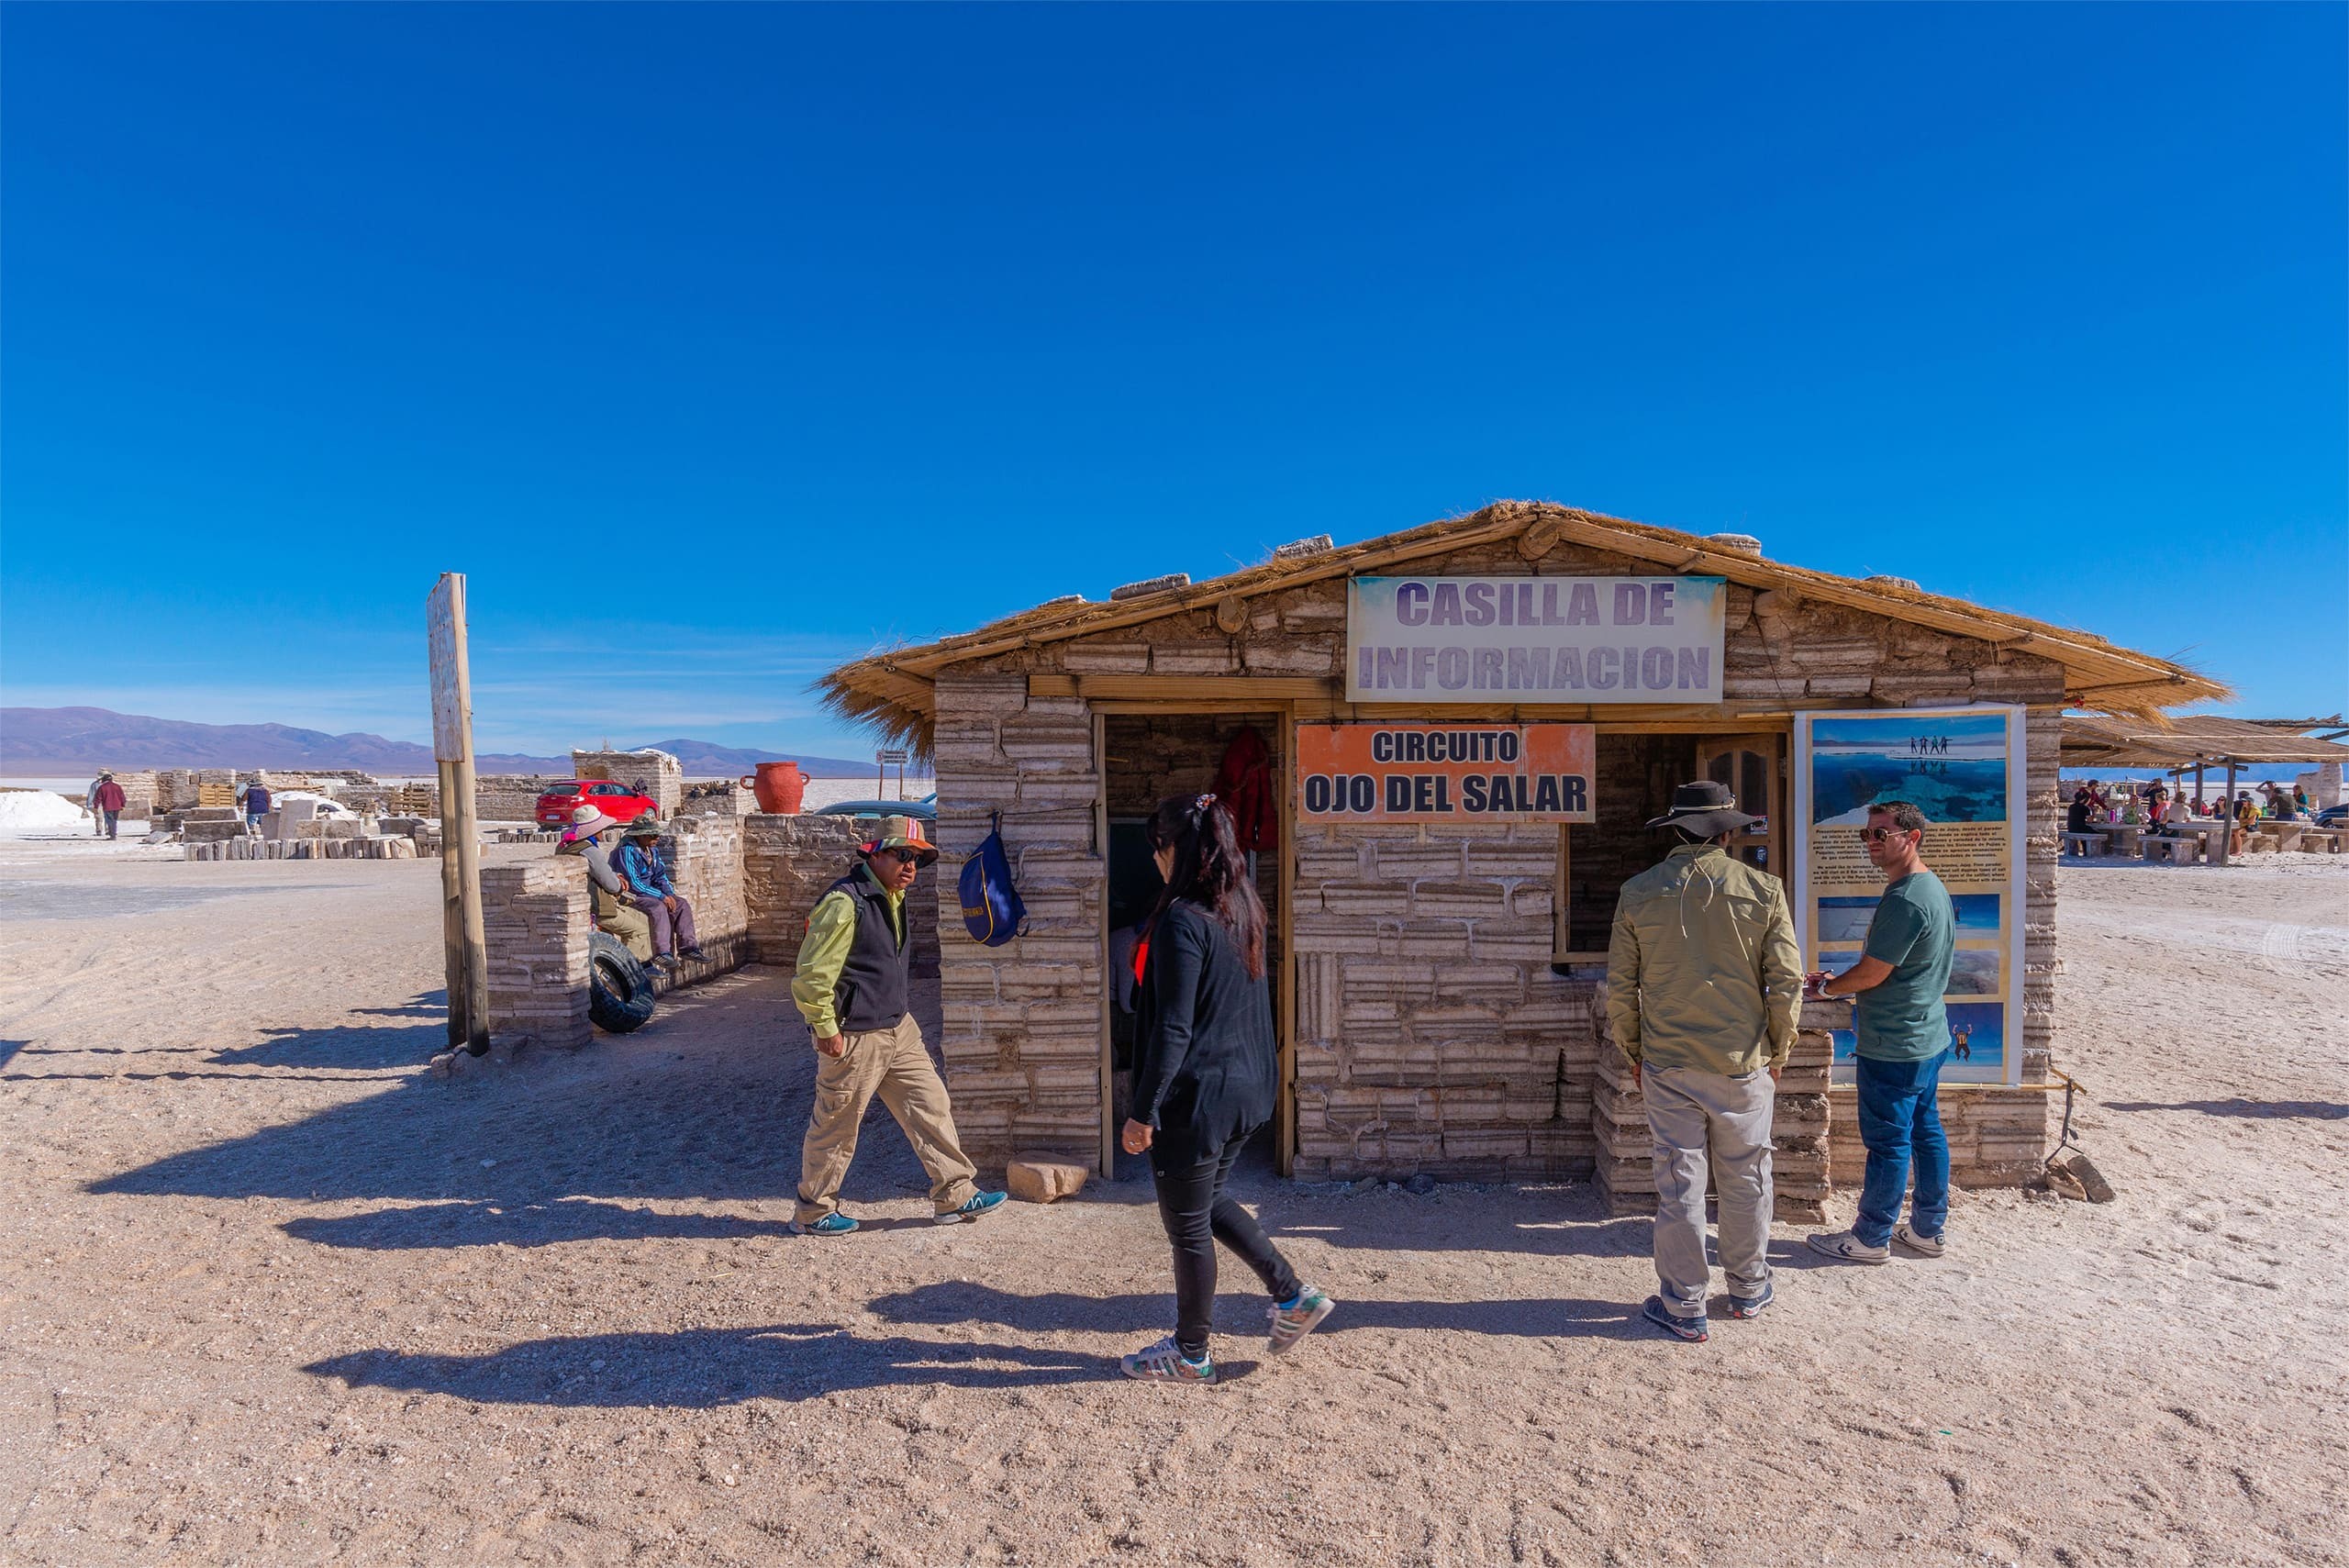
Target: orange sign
1444	773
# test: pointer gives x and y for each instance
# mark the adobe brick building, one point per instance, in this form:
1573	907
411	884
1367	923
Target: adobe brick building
1438	986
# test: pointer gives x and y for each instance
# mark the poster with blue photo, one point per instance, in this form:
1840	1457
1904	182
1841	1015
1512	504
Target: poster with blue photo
1963	771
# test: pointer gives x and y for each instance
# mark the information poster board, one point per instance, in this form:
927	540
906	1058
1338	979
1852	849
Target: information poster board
1444	773
1559	640
1963	769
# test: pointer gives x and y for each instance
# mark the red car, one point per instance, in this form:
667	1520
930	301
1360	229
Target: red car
615	801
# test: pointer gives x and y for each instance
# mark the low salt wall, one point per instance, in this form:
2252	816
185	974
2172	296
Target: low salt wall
752	882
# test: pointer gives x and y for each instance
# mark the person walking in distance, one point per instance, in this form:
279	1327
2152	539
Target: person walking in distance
1704	985
105	805
1904	1040
1206	1075
852	988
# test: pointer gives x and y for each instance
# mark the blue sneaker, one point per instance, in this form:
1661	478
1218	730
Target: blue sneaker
1690	1329
981	1203
1751	1306
833	1224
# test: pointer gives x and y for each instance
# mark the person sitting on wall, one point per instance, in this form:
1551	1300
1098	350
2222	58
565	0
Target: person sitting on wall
852	987
651	890
606	891
1703	986
1904	1041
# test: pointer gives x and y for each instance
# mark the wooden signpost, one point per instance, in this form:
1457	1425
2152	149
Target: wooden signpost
452	748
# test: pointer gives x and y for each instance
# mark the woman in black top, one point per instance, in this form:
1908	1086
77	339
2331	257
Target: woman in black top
1205	1074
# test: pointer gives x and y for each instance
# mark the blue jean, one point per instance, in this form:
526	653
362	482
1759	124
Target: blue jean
1899	1117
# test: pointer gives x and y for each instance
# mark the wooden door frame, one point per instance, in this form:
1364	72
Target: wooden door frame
1282	712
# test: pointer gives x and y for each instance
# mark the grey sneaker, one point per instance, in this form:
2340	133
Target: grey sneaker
1905	1237
1845	1247
1298	1318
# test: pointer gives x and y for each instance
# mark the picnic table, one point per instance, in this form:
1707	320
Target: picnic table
2124	836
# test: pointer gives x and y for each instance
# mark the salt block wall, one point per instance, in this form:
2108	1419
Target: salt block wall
1024	1022
659	773
535	917
704	855
1431	1034
788	862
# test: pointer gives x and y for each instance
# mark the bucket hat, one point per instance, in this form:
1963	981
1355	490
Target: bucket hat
1704	808
645	827
902	833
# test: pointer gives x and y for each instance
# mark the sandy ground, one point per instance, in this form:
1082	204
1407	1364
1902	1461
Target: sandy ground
272	1295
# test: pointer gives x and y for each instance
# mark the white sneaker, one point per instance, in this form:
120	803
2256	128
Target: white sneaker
1905	1237
1846	1247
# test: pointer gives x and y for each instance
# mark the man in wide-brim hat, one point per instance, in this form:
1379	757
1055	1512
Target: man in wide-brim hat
606	893
1704	985
852	988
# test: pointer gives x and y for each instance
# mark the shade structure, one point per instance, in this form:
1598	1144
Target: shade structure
2096	740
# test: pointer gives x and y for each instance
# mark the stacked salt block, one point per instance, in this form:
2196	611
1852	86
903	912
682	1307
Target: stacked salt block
1799	1127
787	862
660	774
1431	1035
536	923
1022	1046
241	848
705	858
1997	1136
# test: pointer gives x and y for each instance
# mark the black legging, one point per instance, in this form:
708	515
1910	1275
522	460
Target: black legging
1196	1215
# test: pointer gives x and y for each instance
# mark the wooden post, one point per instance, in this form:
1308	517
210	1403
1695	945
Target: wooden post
452	747
452	916
2227	809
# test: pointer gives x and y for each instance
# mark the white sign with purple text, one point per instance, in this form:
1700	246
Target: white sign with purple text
1534	639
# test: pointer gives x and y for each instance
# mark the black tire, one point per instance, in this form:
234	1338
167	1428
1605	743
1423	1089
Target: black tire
619	994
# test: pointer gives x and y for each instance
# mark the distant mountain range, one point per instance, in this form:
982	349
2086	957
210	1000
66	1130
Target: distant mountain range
38	741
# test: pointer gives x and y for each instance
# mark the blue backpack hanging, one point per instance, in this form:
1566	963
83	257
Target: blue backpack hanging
991	906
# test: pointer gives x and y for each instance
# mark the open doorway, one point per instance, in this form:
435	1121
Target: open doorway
1145	757
1636	776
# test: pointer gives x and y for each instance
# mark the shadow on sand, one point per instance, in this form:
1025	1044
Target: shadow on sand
954	1301
704	1368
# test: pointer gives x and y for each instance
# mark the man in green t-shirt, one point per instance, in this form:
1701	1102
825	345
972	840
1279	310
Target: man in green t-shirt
1904	1038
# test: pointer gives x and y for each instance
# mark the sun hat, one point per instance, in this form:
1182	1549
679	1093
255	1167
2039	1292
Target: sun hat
1705	809
587	821
901	833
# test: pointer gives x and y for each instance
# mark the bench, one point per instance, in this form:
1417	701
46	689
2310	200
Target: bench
2084	844
2316	841
2180	848
2262	842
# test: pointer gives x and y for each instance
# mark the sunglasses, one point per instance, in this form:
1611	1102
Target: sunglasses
907	856
1877	835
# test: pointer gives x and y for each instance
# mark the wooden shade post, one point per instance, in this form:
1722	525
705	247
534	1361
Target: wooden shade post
452	748
2226	835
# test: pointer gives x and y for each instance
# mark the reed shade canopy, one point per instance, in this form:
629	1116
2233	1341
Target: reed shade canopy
2201	740
893	690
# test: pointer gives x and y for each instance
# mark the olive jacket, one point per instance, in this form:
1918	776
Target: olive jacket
1702	968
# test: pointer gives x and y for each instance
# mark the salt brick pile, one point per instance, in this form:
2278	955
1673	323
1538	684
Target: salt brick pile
241	848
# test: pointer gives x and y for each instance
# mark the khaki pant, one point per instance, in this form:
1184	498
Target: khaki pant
894	1064
1690	1110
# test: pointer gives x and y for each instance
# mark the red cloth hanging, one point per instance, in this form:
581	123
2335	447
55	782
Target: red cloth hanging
1243	783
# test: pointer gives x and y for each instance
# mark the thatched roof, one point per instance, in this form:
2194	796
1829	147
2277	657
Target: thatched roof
2091	741
893	690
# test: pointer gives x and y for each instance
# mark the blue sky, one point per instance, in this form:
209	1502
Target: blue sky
719	343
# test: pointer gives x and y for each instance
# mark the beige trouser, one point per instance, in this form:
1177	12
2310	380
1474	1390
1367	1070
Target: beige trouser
895	1064
628	924
1689	1112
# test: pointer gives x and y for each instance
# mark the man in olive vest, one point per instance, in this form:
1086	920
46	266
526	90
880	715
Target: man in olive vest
852	988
